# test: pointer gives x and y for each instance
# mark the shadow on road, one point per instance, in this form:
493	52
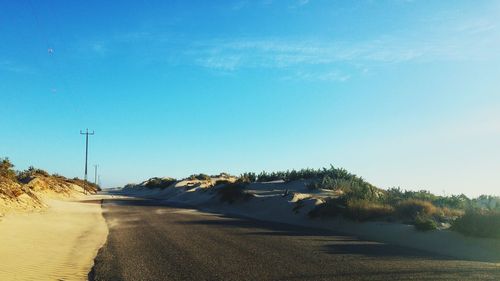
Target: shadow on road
335	243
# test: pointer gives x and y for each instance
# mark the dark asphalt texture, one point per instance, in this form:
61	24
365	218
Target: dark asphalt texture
151	241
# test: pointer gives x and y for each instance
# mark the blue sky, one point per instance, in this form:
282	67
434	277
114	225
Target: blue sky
403	93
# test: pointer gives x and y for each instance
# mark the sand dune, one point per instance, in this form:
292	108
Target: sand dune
271	204
57	244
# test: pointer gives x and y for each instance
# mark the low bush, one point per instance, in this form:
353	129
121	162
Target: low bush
317	174
325	183
28	174
6	169
247	178
332	207
201	177
221	182
479	223
450	214
364	210
358	210
409	210
423	223
56	175
222	175
393	196
234	192
89	186
160	182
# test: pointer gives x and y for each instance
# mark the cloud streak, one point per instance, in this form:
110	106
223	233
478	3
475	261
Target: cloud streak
275	53
13	67
451	38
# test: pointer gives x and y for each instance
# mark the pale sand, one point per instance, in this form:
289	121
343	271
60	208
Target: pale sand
57	244
270	205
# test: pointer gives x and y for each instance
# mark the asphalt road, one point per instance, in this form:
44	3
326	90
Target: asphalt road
150	241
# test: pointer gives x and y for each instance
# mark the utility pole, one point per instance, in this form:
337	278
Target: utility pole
86	148
95	174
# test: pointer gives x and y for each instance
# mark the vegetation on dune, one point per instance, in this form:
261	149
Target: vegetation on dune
160	182
233	192
395	195
479	222
220	182
330	178
365	210
89	186
26	175
360	201
6	169
424	223
248	177
23	178
201	177
222	175
475	217
409	210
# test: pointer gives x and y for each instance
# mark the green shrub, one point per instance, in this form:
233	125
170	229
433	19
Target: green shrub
325	183
31	172
318	174
160	182
393	196
479	223
6	169
423	223
201	177
247	178
222	175
56	175
234	192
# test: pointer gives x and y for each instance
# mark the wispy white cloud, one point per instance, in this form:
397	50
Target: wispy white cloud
477	26
14	67
439	38
298	3
321	76
235	54
239	5
302	2
225	63
98	48
274	53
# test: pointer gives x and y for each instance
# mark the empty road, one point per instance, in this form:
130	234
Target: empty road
150	241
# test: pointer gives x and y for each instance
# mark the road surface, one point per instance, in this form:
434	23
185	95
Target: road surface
151	241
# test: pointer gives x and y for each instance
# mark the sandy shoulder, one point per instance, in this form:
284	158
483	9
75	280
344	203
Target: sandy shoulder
57	244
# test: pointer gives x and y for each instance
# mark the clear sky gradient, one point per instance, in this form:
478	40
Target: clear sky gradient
403	93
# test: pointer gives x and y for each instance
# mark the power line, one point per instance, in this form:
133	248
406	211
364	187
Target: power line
87	134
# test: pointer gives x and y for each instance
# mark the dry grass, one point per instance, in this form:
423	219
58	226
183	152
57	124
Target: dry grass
409	210
364	210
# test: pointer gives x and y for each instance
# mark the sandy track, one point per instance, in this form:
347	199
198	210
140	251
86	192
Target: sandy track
57	244
150	241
